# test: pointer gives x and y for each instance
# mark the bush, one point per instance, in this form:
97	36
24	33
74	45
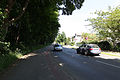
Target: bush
6	60
72	43
117	48
78	44
4	47
105	45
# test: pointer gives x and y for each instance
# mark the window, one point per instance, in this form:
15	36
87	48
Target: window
94	46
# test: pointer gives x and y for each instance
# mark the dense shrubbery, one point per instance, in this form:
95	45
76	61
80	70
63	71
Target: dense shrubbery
6	60
4	48
104	45
72	43
117	47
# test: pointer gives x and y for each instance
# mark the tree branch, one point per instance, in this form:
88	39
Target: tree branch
23	11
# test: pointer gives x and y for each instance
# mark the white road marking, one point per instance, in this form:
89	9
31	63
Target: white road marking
108	64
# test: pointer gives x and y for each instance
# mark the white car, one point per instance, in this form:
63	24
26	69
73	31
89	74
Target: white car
58	47
88	49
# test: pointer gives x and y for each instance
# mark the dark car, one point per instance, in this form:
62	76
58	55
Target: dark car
88	49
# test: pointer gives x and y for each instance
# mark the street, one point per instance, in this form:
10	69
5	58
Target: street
46	64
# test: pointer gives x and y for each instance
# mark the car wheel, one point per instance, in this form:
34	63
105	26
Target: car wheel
82	53
54	49
97	54
86	53
77	52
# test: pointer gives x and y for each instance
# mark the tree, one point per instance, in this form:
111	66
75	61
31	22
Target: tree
68	40
90	37
29	23
61	38
38	26
107	24
13	10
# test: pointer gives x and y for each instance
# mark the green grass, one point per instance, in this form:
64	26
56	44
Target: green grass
110	54
6	60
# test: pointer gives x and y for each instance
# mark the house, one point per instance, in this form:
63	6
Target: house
78	38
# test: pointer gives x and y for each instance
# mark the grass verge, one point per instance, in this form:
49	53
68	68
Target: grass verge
8	59
110	54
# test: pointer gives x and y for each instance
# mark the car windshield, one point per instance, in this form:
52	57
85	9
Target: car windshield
58	46
94	46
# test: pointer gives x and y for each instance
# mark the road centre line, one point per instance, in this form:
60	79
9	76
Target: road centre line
108	64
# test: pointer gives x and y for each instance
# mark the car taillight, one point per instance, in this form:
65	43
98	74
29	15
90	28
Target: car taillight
91	49
99	48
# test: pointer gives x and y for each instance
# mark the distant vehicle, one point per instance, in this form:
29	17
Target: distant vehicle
58	47
88	49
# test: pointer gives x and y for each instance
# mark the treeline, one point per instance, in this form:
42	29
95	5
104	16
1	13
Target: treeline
87	38
107	27
26	23
38	26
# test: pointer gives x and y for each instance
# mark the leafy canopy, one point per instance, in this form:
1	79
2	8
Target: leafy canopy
107	24
29	23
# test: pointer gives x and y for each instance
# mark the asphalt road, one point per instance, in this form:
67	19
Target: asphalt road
46	64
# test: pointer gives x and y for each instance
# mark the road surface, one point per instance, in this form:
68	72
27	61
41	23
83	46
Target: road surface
46	64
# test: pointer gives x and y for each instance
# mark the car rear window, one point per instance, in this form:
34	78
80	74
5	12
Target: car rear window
94	46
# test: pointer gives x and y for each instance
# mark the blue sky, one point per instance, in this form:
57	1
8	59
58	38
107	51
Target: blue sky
76	23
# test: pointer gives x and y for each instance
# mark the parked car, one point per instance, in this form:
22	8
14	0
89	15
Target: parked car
58	47
88	49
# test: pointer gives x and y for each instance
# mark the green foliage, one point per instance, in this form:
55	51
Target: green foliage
38	26
72	43
105	45
32	22
117	47
4	48
1	16
6	60
90	37
68	6
61	38
38	11
68	41
107	24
